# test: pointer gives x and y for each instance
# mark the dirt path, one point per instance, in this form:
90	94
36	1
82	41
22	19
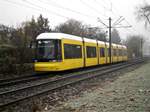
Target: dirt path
128	93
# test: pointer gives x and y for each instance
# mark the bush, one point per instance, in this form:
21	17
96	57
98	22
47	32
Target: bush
13	60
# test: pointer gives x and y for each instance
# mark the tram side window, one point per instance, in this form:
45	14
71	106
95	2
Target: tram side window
102	52
72	51
91	52
120	52
123	53
126	53
115	52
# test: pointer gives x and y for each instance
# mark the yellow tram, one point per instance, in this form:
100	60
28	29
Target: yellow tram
59	52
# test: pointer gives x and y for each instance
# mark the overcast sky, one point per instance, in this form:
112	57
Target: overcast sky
13	12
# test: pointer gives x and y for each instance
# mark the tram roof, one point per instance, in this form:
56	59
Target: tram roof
62	36
58	36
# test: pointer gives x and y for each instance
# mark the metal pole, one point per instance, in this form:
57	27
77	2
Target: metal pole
110	39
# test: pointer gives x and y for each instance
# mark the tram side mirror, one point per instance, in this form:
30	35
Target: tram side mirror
32	44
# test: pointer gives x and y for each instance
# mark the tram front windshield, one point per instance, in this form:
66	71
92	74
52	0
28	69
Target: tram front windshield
48	50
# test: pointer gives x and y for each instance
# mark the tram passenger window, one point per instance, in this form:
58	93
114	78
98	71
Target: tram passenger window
125	53
72	51
120	52
91	52
102	52
115	52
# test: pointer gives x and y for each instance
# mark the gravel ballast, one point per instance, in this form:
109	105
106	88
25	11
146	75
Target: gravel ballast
129	92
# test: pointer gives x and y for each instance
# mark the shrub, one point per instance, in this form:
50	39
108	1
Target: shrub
13	60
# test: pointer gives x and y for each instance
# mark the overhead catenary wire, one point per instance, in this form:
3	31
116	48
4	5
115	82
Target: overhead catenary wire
102	5
40	9
34	8
107	3
113	7
65	8
50	11
119	21
92	8
99	20
122	27
105	8
31	5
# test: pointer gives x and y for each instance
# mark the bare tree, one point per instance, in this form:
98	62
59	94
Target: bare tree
135	45
143	13
96	33
116	37
35	27
71	26
75	27
5	34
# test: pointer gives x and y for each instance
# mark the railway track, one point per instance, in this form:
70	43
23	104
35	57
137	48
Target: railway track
34	77
31	77
21	92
